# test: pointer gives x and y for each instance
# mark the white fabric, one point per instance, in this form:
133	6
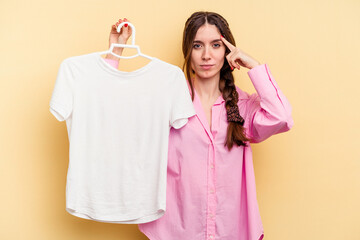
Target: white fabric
118	127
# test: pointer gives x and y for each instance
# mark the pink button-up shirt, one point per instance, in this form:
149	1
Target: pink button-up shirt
211	192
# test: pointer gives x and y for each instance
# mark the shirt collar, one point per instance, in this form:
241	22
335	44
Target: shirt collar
201	114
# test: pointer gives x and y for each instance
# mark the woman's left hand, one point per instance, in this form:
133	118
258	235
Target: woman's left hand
237	58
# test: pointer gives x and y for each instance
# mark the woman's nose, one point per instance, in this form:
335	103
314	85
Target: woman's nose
206	54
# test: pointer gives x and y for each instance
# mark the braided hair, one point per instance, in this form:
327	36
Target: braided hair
235	131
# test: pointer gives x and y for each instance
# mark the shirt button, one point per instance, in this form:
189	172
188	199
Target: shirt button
212	191
211	236
212	165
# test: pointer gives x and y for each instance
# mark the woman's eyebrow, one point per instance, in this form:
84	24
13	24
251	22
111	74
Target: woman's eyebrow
216	40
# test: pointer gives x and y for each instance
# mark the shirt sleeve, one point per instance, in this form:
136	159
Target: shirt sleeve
61	102
269	112
112	62
181	105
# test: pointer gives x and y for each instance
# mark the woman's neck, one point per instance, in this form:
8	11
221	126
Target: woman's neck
207	89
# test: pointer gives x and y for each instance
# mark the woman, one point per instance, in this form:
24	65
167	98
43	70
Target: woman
210	179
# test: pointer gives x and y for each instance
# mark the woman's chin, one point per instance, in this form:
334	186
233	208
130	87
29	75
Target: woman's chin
206	75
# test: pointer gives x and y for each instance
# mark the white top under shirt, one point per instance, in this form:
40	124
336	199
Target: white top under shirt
118	127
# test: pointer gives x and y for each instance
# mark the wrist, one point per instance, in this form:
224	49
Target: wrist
117	52
255	64
111	57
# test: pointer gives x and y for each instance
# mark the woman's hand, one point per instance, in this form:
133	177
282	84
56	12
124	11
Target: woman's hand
122	36
237	58
119	37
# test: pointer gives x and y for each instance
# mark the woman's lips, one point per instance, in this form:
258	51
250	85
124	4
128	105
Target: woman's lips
206	66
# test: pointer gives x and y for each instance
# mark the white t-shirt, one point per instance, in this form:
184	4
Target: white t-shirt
118	127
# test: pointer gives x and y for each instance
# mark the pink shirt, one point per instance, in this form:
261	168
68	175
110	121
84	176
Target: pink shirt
211	192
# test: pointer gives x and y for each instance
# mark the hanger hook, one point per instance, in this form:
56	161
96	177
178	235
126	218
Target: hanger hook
132	28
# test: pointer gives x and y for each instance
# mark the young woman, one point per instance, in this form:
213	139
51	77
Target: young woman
211	190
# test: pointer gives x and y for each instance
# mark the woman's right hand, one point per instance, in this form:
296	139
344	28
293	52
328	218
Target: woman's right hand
119	37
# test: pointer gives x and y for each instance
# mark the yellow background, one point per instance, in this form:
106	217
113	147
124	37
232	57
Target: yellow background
308	182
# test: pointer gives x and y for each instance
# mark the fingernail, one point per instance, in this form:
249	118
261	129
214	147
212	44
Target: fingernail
232	68
222	36
126	25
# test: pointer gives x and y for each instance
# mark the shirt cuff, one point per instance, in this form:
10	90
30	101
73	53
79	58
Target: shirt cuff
112	62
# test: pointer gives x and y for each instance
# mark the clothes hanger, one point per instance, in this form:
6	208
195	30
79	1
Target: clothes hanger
139	53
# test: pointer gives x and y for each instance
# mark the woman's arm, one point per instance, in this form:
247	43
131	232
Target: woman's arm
116	37
268	111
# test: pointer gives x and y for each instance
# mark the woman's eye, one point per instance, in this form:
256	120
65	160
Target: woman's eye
196	46
216	45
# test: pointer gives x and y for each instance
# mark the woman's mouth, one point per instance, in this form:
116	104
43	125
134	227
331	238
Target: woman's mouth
206	66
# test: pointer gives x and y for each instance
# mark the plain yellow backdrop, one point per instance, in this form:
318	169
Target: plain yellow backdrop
308	179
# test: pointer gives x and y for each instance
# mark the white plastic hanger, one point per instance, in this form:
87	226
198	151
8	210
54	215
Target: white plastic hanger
126	45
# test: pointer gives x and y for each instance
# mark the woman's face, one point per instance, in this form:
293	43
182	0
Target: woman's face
208	53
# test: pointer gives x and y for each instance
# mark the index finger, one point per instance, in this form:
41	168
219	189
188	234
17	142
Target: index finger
227	43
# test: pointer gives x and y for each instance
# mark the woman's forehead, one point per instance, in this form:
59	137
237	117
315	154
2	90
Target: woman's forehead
207	32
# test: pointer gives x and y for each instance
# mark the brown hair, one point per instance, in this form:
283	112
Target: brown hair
235	131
